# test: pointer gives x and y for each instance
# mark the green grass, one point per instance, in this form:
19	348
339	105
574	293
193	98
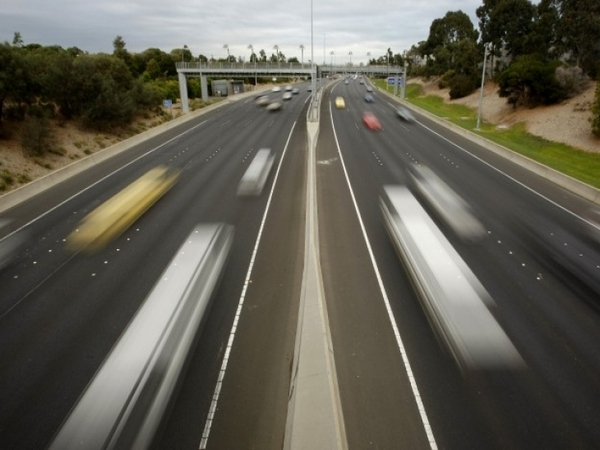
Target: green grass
579	164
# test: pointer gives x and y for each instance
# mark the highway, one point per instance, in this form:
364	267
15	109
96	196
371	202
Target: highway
61	313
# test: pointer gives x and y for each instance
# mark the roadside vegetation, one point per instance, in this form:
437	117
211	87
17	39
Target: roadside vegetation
579	164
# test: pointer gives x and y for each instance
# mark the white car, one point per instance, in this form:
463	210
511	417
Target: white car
274	106
287	96
276	88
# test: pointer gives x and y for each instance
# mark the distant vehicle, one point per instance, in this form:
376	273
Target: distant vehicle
295	91
276	89
274	106
256	175
369	89
361	81
340	103
371	121
288	88
287	96
454	300
405	114
346	82
262	100
369	98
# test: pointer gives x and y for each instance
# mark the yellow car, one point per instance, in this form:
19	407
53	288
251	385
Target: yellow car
340	103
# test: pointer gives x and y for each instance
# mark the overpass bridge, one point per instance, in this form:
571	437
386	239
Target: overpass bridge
269	69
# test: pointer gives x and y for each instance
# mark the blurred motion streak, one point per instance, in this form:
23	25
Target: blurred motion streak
446	204
115	215
453	299
125	403
256	175
12	244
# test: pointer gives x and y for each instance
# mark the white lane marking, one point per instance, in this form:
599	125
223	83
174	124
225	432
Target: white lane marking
104	178
213	406
409	372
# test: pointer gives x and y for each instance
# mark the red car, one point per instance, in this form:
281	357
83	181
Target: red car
371	122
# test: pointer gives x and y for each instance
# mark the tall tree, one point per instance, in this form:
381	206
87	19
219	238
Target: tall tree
579	31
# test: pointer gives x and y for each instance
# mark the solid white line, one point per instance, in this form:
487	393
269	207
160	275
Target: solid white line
409	372
105	177
213	406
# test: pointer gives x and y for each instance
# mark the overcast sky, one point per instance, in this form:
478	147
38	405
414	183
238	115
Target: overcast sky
339	26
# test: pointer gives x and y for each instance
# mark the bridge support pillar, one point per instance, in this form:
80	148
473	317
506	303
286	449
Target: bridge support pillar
183	93
203	88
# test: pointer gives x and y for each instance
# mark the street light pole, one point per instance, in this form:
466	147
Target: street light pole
485	53
302	55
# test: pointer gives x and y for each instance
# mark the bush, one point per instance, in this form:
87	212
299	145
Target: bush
530	81
595	119
461	86
36	135
572	80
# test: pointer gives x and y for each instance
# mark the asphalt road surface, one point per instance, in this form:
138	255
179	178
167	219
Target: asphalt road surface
61	313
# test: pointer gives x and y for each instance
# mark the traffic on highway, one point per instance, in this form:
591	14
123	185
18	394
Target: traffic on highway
155	300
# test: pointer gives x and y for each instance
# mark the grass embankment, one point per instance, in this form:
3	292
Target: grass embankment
579	164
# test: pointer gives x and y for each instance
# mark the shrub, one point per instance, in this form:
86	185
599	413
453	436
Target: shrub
595	119
461	86
530	81
36	135
572	80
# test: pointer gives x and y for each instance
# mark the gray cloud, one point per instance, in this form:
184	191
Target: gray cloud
340	26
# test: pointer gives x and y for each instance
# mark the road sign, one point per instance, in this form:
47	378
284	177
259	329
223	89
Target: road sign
168	103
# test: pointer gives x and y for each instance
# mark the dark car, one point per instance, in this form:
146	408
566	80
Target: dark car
369	98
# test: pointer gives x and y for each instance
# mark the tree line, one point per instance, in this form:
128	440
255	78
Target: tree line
538	54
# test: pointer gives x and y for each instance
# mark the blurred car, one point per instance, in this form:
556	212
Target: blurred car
274	106
295	91
262	100
287	96
276	89
288	88
369	98
11	245
346	82
371	121
369	89
361	81
405	114
340	103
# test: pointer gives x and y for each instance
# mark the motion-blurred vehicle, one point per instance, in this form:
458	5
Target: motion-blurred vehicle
11	245
274	106
287	96
340	103
405	114
346	82
276	89
453	299
295	91
288	88
253	181
446	204
128	398
565	249
115	215
371	121
361	81
369	98
262	100
369	89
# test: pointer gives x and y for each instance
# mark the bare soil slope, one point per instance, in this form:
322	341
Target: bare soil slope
567	122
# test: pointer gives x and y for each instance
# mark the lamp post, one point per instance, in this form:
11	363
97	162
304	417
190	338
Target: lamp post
226	46
331	53
350	54
302	55
276	47
485	53
251	47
